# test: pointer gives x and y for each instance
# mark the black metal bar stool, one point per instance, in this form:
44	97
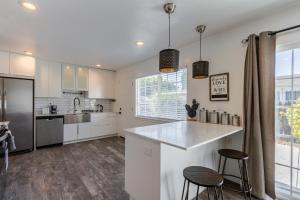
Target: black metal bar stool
204	177
241	158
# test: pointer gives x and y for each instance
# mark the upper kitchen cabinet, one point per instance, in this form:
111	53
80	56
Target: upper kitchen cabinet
47	79
101	84
75	78
22	65
4	62
82	78
54	70
41	78
68	77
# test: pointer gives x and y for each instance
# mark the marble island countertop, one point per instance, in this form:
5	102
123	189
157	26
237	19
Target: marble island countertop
185	134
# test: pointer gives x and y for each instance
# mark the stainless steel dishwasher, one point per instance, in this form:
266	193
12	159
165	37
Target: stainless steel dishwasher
49	130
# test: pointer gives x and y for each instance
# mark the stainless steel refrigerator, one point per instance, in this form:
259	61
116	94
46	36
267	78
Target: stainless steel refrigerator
16	106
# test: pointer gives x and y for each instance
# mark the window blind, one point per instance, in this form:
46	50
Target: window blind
162	95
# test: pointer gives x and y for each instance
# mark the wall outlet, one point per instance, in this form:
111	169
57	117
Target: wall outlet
228	142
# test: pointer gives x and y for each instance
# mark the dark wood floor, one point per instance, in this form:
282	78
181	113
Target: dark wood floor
88	170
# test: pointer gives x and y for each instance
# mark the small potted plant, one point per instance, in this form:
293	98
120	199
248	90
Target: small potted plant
192	110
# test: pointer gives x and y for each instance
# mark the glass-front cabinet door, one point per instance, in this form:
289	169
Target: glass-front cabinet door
68	77
82	78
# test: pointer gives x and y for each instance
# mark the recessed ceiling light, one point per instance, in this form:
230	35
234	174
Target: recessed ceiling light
139	43
27	4
98	65
28	53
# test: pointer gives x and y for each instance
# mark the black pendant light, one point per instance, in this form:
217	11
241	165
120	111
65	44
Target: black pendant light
169	58
201	67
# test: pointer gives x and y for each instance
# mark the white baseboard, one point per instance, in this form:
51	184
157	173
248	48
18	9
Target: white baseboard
89	139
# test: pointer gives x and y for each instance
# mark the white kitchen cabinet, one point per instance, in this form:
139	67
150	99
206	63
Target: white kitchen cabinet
93	73
82	78
84	131
101	84
41	78
47	79
54	78
68	77
101	124
4	62
70	132
22	65
75	78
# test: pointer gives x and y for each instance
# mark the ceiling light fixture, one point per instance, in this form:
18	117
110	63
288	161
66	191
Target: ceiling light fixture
169	58
98	65
27	4
28	53
201	67
139	43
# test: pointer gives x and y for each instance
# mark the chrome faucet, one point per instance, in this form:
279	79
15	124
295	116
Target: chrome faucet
74	102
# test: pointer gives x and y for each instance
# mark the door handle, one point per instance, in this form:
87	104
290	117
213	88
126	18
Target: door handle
5	105
1	105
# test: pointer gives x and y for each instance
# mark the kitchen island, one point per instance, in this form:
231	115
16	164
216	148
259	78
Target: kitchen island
156	155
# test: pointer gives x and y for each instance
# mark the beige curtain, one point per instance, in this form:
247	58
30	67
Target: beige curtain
259	113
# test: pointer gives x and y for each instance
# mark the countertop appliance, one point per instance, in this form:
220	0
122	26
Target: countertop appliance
99	108
16	97
49	130
53	109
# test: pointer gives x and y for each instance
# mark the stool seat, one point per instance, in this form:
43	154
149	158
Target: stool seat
233	154
203	176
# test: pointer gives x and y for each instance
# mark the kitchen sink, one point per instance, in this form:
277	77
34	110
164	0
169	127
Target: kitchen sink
76	118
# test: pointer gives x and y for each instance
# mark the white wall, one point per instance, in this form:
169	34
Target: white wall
225	53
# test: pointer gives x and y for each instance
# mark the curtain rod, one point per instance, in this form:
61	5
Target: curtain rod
276	32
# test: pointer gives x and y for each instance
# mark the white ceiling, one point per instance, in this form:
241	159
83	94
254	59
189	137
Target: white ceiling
87	32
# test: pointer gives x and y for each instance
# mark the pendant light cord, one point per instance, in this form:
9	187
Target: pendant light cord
169	30
200	45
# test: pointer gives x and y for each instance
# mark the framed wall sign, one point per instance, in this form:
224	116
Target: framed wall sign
219	87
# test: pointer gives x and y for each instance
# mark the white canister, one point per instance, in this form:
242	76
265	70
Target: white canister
225	118
45	111
235	120
203	115
214	117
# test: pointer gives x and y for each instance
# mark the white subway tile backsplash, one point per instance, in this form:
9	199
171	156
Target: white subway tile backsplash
65	103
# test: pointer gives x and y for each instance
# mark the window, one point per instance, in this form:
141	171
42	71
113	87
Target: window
162	95
287	123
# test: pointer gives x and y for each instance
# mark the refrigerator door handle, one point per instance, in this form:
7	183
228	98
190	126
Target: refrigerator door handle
1	105
5	105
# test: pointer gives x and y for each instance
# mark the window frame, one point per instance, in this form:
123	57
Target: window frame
155	119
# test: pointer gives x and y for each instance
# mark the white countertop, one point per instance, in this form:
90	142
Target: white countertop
185	134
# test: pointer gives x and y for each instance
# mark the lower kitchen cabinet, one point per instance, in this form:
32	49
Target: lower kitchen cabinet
102	124
70	132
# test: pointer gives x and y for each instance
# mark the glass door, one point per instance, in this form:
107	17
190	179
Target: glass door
287	123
